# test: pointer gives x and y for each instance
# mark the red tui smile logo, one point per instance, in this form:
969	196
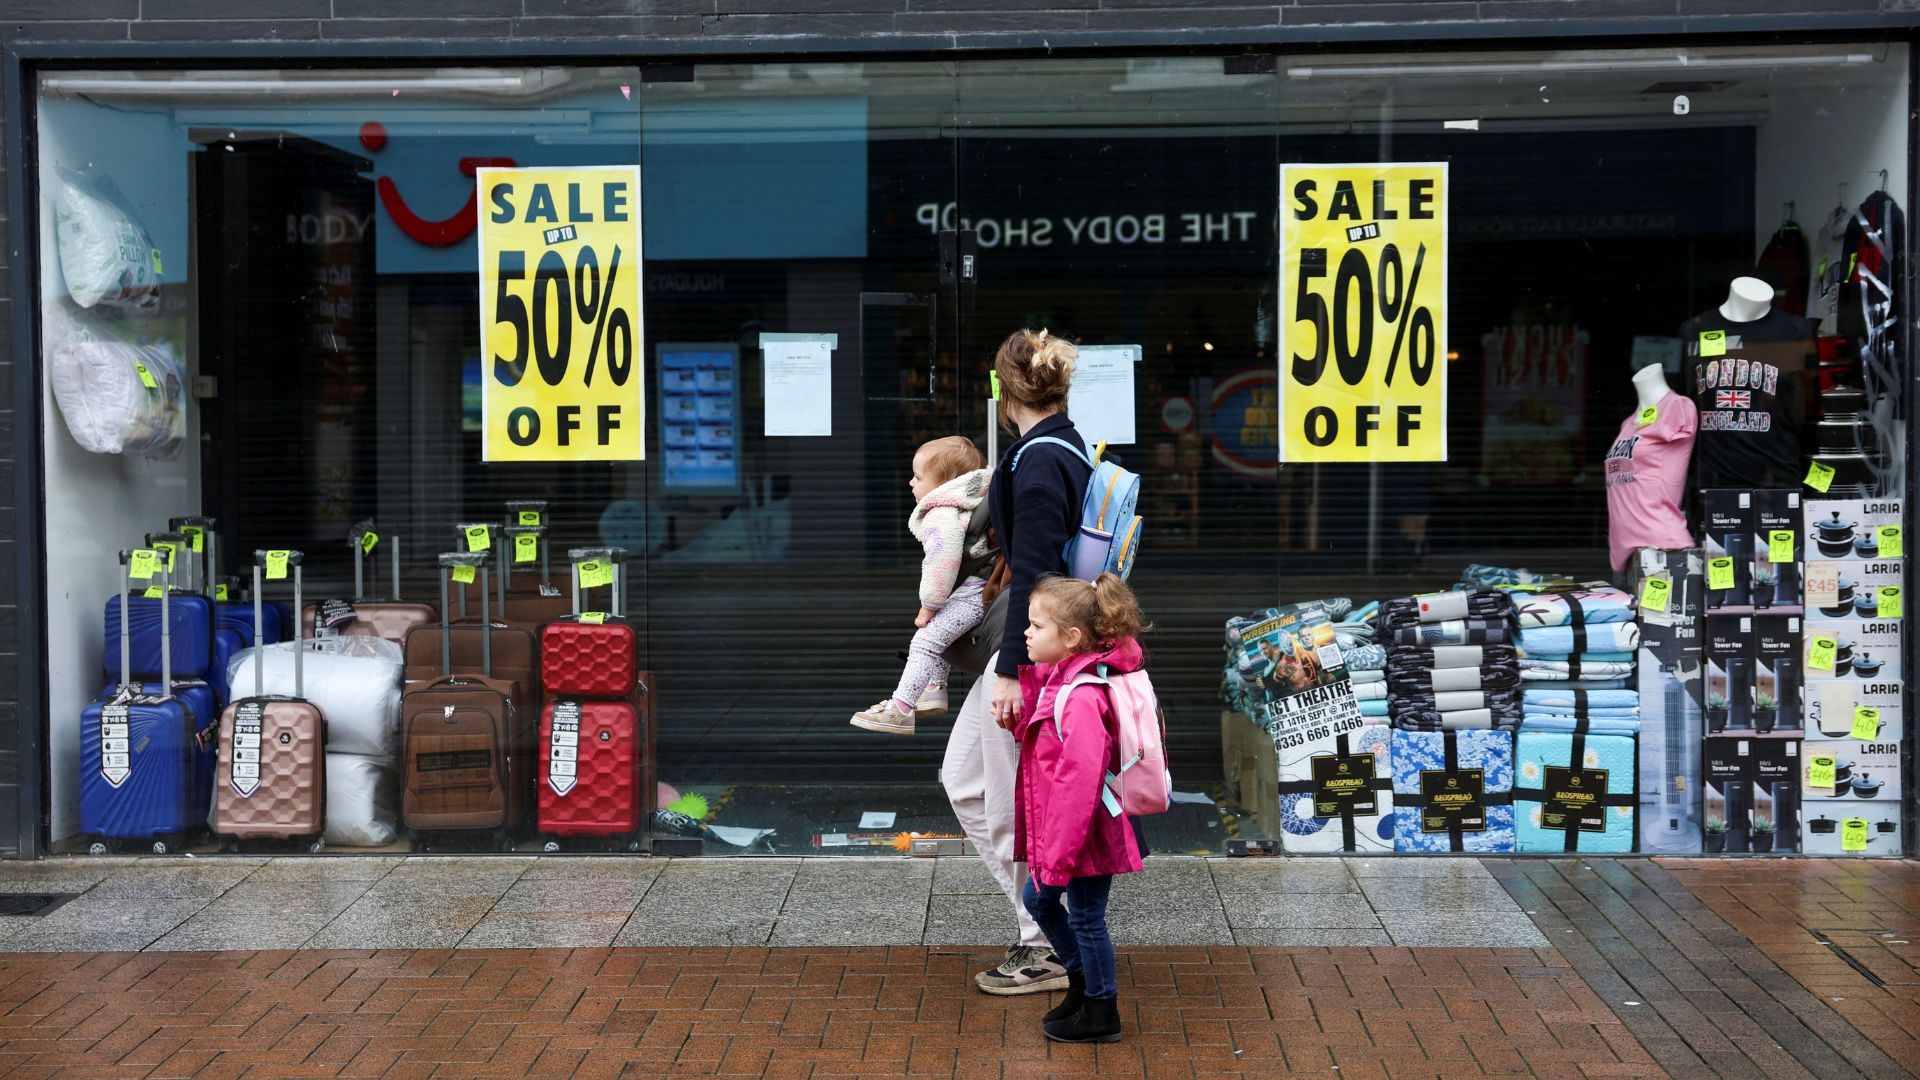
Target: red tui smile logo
447	231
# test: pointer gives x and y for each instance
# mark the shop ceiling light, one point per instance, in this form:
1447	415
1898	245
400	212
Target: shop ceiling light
1592	63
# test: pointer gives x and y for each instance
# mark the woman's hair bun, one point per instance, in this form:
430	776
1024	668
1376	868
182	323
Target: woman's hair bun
1036	369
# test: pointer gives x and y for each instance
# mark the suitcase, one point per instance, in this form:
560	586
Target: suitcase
459	737
515	650
390	619
590	778
531	601
190	623
270	778
145	769
596	654
228	614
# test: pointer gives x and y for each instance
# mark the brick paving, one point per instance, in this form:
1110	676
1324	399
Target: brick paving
1224	1011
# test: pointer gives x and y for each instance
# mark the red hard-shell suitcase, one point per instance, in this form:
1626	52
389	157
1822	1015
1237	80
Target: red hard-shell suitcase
592	654
590	770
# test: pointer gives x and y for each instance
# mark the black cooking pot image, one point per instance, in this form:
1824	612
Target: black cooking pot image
1866	787
1885	826
1833	536
1867	667
1823	825
1842	601
1866	545
1842	659
1867	604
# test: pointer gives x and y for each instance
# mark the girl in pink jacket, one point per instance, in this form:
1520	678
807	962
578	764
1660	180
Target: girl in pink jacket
1072	844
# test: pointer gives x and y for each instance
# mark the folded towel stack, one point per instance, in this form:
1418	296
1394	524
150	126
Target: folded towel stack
1576	663
1450	667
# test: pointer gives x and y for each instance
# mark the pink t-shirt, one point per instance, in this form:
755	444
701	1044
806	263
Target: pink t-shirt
1647	481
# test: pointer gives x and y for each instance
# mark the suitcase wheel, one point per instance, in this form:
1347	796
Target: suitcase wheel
159	847
502	841
551	846
633	844
97	848
317	845
229	847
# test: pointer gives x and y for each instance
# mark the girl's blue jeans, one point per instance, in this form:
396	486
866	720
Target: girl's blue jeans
1078	932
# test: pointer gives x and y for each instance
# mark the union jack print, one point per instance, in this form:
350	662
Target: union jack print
1733	399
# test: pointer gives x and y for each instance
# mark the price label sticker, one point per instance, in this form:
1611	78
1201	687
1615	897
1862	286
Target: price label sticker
1853	834
1866	724
1648	415
1713	343
154	592
1892	545
156	262
144	564
464	574
526	547
529	517
479	538
1820	652
595	572
593	618
277	564
146	377
1820	771
196	537
1655	593
1891	604
1720	573
1780	546
368	541
220	593
172	548
993	377
1819	477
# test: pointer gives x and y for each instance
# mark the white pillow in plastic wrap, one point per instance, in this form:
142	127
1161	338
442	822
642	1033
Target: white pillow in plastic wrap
357	690
109	409
105	255
363	801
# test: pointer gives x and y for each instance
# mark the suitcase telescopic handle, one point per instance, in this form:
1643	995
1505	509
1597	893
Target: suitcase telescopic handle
612	556
356	539
464	530
180	550
209	565
449	561
532	513
514	533
260	561
126	622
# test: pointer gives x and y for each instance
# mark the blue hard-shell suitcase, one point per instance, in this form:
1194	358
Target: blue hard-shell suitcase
226	645
145	769
203	704
192	631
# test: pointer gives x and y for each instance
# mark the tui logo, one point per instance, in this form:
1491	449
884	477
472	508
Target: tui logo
447	231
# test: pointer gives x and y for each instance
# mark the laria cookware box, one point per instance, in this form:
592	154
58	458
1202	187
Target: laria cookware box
1842	771
1875	832
1865	650
1849	529
1848	591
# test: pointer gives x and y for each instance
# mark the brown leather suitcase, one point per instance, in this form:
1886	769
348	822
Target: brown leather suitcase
532	600
515	660
460	733
270	771
390	619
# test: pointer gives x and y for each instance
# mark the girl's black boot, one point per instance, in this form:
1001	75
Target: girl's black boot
1076	994
1097	1022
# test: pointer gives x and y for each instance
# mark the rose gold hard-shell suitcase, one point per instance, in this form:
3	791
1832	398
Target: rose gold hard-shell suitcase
390	619
270	772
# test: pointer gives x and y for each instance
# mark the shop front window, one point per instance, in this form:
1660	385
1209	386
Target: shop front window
829	255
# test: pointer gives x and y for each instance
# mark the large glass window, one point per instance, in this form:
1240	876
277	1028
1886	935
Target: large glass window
294	254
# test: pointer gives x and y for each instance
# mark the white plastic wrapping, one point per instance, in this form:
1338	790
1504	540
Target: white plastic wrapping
363	804
108	407
105	255
355	681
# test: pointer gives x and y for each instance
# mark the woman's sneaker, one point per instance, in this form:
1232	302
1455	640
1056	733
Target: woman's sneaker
933	702
887	716
1028	969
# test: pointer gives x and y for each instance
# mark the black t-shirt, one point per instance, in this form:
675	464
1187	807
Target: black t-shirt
1751	398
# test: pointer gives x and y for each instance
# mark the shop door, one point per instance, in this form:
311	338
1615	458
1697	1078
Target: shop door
1130	202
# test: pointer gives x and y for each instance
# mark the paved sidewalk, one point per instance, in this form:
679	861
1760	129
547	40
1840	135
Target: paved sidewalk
1350	969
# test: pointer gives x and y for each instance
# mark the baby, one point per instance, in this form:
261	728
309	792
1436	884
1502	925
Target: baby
949	480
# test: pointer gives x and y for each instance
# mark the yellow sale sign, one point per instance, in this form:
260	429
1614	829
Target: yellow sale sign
560	324
1363	312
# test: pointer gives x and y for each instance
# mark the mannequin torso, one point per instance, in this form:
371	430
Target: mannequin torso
1650	385
1748	300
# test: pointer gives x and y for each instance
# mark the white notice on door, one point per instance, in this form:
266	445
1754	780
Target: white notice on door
1101	401
799	383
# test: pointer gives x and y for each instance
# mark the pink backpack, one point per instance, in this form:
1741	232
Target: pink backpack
1143	785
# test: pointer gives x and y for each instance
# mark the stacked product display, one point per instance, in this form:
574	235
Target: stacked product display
1670	591
1854	678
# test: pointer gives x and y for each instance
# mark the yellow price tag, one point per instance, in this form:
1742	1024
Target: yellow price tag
993	377
1853	834
171	548
1655	593
1713	343
156	262
594	618
1820	652
1780	546
595	573
1649	414
1866	724
143	565
529	517
220	593
196	537
1891	605
154	592
463	574
1892	545
478	538
146	377
1820	772
368	541
277	565
1819	477
1720	573
526	547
